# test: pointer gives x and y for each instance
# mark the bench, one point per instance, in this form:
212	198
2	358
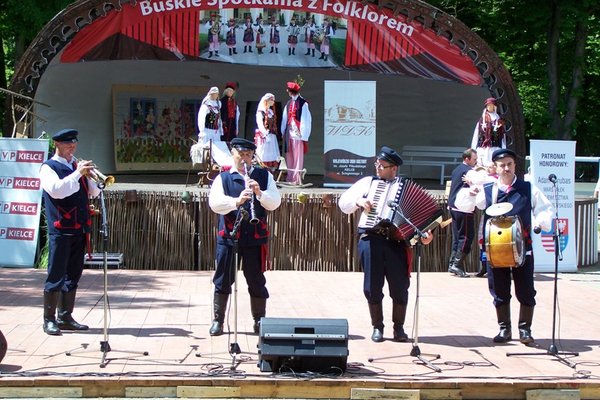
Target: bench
432	156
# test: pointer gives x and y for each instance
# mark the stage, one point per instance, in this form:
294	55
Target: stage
168	313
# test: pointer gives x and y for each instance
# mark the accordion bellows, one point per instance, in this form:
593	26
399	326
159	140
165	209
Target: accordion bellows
401	204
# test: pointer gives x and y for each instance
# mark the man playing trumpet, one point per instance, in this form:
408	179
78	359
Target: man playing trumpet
67	187
242	189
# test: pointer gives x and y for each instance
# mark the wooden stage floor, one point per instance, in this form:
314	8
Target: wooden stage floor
168	313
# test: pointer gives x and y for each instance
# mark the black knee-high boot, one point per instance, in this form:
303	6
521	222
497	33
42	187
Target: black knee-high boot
525	319
503	314
451	261
65	319
50	302
376	312
258	307
220	307
398	316
458	268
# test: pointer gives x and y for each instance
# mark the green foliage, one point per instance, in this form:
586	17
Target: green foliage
518	31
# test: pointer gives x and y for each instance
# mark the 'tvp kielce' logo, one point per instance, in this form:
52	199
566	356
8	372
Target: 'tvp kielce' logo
22	156
14	182
8	233
15	208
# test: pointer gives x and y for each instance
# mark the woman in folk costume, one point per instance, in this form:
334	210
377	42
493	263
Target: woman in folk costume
259	32
309	31
293	31
265	138
230	39
248	38
274	37
489	133
209	118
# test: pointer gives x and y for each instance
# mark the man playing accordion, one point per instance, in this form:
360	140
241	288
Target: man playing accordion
382	256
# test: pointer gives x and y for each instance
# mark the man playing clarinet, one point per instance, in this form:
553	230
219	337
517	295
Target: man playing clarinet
254	191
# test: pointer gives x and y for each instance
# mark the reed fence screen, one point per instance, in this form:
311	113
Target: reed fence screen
158	231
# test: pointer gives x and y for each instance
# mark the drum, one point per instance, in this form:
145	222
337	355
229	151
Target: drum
504	242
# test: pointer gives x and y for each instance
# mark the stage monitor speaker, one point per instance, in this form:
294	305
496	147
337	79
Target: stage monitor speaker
303	345
3	346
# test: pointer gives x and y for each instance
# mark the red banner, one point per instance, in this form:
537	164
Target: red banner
375	39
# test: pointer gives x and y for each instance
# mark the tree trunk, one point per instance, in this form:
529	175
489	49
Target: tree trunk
4	111
553	73
575	91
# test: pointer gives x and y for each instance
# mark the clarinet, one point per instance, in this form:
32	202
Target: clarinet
253	218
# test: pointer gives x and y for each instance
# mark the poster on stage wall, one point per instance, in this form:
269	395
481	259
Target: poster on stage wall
549	159
20	199
349	130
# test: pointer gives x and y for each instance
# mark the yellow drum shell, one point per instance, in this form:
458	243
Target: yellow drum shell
504	242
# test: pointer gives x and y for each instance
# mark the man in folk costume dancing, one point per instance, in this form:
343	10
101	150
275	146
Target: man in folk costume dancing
489	134
296	125
382	256
230	112
254	190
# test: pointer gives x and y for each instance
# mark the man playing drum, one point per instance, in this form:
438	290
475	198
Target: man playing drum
512	197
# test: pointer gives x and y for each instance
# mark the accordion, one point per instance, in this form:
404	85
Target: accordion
400	205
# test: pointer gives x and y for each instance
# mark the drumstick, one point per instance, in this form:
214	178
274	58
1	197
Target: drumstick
446	222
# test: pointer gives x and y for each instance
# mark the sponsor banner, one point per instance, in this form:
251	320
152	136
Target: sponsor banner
20	199
350	131
555	160
344	34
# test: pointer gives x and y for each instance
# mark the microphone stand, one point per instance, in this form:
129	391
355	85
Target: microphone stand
104	345
552	348
416	351
234	347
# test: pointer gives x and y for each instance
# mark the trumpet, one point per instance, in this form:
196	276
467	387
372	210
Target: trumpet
101	180
253	218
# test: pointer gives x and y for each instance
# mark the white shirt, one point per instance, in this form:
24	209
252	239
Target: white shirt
305	120
61	188
222	204
542	209
358	190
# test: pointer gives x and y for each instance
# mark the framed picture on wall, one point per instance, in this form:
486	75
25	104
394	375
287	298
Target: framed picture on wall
155	126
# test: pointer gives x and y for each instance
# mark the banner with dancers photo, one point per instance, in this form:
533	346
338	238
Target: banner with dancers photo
341	34
350	128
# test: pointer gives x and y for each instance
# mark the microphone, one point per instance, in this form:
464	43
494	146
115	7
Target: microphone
537	230
552	178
